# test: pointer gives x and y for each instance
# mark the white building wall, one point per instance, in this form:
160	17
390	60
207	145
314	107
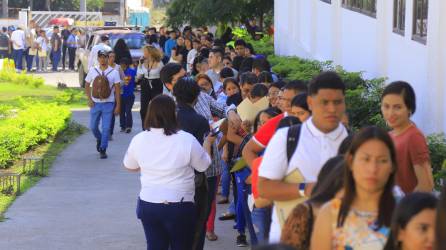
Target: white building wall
316	30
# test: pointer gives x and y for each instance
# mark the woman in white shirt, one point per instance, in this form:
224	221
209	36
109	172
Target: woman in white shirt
167	158
148	76
42	48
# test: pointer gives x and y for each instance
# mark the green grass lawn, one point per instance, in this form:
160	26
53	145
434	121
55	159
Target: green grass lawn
10	94
13	94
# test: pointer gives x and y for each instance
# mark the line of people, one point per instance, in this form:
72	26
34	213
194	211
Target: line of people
295	167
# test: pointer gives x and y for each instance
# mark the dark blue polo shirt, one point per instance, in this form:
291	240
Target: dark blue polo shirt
191	122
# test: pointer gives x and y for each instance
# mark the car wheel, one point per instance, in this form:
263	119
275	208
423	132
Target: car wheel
81	76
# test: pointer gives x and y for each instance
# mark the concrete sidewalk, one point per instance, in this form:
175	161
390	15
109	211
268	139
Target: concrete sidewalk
86	203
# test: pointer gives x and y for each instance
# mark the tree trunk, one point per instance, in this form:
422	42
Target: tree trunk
261	22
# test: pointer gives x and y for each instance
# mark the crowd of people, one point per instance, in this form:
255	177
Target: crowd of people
35	48
295	168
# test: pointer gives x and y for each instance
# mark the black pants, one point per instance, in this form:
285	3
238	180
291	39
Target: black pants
71	57
126	120
64	54
149	89
201	205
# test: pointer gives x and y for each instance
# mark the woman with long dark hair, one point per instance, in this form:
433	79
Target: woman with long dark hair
413	223
121	50
362	217
298	227
148	76
166	200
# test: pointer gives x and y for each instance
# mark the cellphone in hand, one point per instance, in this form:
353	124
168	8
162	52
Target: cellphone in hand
215	131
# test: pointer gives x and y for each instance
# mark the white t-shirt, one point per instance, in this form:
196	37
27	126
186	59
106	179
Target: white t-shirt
190	59
313	150
153	73
30	35
41	41
113	78
167	170
18	39
93	57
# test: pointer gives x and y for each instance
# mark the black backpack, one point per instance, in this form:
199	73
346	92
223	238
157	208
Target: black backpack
292	141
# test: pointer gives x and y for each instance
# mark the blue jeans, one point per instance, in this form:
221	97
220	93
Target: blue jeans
261	219
29	60
56	59
101	111
243	215
125	117
17	54
37	60
167	226
225	180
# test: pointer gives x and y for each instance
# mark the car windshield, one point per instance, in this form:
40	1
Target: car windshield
133	41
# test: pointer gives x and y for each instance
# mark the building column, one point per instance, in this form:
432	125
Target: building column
5	13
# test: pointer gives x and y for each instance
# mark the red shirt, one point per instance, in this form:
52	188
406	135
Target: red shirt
266	132
411	149
255	176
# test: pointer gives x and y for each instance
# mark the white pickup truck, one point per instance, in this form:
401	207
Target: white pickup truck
135	40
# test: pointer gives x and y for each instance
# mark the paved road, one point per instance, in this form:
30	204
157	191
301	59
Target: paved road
86	203
68	77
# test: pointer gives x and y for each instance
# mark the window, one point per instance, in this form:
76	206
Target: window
367	7
399	16
419	29
133	40
112	7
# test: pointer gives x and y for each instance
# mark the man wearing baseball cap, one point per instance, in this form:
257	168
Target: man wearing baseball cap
103	45
103	109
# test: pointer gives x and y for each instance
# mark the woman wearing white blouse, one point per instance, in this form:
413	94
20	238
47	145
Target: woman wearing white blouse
167	158
148	76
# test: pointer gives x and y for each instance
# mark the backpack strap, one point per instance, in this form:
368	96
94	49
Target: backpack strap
310	222
292	140
109	72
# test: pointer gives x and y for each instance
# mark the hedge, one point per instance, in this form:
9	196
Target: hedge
9	74
33	124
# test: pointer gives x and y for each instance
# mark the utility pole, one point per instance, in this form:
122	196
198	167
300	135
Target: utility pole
83	6
83	9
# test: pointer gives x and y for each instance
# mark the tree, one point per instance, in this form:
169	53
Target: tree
256	9
213	12
57	5
94	5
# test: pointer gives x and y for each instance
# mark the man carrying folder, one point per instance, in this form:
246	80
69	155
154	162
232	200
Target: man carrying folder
318	140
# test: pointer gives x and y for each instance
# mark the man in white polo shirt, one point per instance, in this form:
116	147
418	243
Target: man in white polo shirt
103	108
18	46
319	140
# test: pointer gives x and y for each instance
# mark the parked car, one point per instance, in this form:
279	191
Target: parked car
134	40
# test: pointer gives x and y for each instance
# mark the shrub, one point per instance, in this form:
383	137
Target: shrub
34	123
5	111
364	104
8	74
437	149
69	96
